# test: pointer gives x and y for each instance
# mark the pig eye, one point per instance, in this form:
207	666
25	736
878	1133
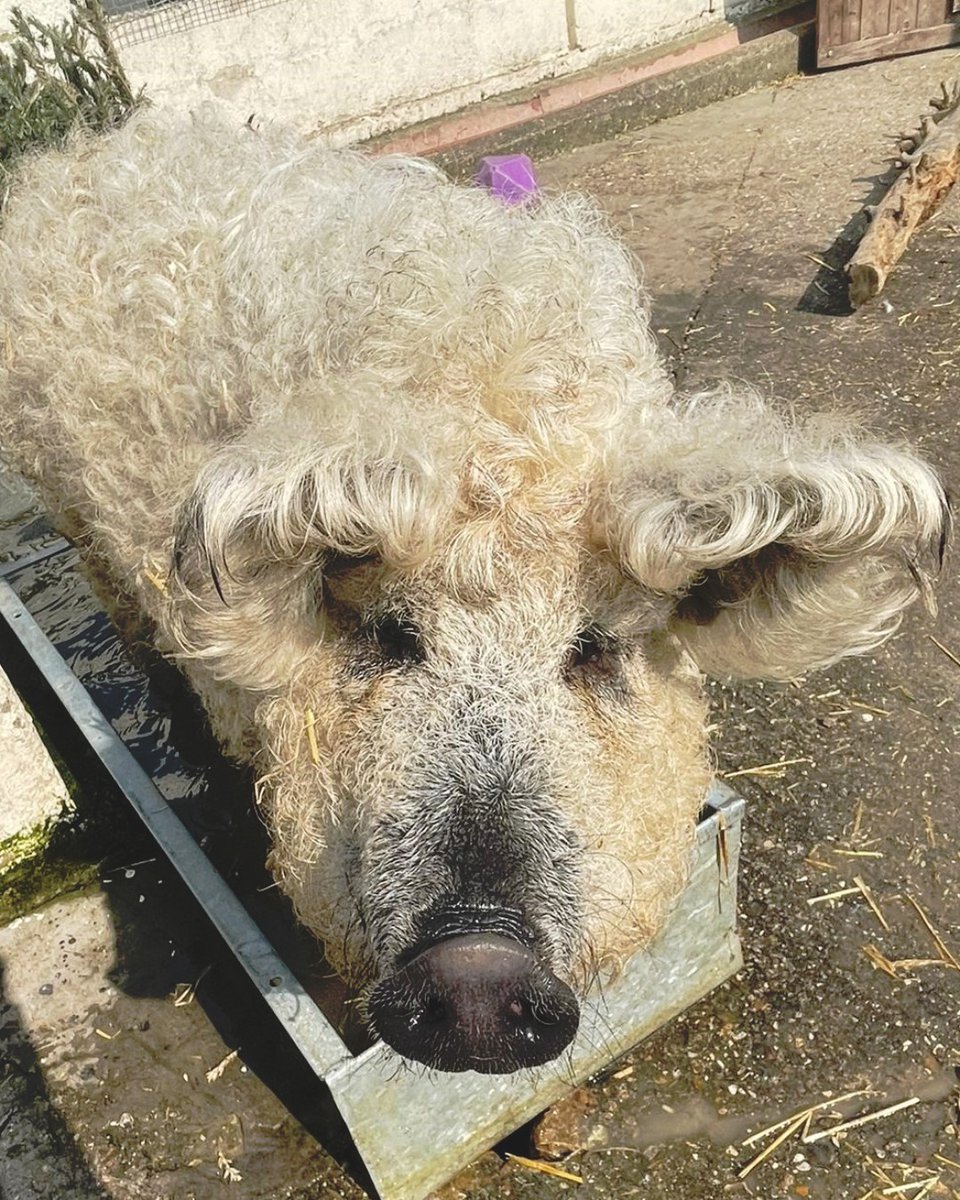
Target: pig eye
593	655
397	638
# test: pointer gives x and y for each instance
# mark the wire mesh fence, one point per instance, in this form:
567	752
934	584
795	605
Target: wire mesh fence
134	21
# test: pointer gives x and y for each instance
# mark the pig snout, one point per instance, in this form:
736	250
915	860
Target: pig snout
475	1002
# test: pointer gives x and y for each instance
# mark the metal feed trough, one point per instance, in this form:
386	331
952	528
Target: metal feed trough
413	1130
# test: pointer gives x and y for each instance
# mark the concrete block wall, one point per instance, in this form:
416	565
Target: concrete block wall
358	68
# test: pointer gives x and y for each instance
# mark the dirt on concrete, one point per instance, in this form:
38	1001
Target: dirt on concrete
742	213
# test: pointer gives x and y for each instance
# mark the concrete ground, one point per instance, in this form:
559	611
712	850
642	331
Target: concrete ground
741	213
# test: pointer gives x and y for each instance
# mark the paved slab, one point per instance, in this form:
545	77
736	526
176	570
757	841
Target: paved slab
135	1062
730	207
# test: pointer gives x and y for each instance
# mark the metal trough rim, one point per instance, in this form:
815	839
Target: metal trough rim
314	1036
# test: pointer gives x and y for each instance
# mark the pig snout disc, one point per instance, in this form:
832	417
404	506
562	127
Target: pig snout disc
477	1002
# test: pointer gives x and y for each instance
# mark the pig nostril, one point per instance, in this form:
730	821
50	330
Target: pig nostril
420	1013
434	1011
531	1017
543	1015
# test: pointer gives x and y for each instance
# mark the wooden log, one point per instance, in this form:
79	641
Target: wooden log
929	173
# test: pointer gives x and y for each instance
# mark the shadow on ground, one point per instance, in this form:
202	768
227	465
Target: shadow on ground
39	1156
827	292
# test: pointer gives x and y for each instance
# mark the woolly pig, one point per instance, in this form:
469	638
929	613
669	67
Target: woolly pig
396	476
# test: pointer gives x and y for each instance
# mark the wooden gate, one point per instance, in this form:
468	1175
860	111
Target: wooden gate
850	31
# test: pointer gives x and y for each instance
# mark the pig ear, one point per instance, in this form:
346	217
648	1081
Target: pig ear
258	501
789	541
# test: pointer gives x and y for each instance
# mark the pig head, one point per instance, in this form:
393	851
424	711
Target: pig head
486	740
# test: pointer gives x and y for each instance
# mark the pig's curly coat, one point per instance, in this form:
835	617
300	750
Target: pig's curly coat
237	365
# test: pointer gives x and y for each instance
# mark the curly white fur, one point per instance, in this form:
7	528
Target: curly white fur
309	389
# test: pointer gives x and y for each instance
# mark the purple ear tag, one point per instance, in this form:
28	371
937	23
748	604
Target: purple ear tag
509	177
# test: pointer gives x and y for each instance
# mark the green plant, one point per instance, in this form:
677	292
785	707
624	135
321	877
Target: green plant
56	77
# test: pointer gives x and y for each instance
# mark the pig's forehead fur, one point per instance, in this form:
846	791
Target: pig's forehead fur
419	321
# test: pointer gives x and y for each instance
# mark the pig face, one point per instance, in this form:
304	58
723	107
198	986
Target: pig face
495	754
482	726
502	766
